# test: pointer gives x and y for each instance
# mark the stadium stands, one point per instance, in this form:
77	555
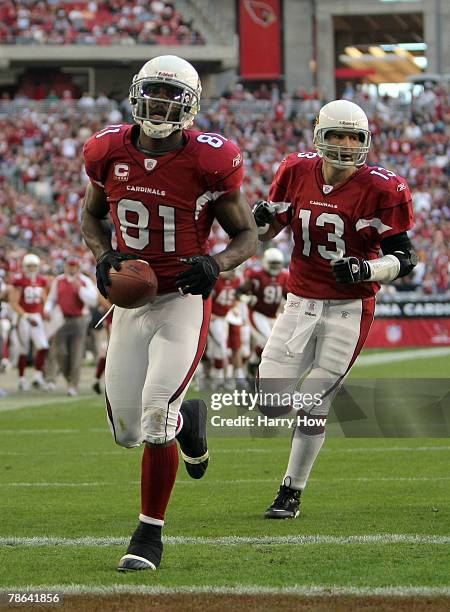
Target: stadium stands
43	181
97	22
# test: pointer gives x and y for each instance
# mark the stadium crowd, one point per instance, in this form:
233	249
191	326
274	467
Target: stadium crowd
43	180
97	22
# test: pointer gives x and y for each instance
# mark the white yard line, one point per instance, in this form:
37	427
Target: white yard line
247	481
326	590
383	538
231	451
391	357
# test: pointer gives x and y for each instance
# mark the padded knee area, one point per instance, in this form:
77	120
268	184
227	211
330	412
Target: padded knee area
159	423
324	385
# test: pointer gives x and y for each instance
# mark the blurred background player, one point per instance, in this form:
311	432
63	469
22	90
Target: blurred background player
27	297
342	213
4	296
102	332
163	184
223	301
267	287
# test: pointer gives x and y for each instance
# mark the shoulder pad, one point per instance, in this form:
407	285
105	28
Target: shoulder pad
389	185
98	145
216	153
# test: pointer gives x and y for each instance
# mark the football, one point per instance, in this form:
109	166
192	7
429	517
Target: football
134	285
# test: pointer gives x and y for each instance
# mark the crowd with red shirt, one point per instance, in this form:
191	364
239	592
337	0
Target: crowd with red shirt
96	22
42	179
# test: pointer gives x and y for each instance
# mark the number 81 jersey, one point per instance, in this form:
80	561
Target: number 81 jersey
349	219
161	206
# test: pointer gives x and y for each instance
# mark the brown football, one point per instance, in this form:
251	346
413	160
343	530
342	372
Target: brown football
134	285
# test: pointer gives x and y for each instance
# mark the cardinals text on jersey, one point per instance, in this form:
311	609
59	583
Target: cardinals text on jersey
161	207
349	220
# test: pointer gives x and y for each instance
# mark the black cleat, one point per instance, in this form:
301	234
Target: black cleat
144	551
96	388
285	505
192	437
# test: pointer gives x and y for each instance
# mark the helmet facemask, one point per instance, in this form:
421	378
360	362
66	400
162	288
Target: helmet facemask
161	116
343	156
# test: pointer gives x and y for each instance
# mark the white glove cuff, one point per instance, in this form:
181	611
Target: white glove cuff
384	269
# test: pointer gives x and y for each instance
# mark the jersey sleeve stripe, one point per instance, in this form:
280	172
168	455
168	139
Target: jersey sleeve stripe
280	207
375	223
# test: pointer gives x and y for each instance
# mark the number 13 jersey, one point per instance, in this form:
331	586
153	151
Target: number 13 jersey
161	206
328	222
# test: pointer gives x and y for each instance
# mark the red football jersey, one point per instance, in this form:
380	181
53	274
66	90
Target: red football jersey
162	206
224	295
268	290
333	222
32	292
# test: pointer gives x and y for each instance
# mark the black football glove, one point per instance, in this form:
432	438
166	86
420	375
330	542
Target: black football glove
350	270
106	261
263	213
201	278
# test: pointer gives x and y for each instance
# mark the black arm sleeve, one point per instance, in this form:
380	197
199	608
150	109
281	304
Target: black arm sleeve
401	246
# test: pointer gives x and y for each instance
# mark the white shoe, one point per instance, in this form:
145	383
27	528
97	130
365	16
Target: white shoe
24	384
72	391
38	381
50	386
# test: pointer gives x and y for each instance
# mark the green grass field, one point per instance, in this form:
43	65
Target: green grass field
375	514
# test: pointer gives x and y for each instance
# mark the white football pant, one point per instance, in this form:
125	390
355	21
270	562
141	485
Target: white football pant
320	338
27	333
152	355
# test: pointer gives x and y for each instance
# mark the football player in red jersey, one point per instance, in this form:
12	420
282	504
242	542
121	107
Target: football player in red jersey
267	286
223	300
27	297
163	185
342	213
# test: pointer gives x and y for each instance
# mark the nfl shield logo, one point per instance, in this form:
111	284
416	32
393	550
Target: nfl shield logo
149	164
394	333
327	189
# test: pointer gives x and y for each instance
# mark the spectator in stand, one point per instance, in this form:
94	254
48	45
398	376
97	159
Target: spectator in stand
73	293
42	180
112	22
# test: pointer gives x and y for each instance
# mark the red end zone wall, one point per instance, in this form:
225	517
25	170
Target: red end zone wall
391	333
410	324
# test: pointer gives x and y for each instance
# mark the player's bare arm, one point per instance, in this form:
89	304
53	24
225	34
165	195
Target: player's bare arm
236	219
95	228
96	232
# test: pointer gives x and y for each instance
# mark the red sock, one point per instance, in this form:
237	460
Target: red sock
22	364
159	470
100	367
39	360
